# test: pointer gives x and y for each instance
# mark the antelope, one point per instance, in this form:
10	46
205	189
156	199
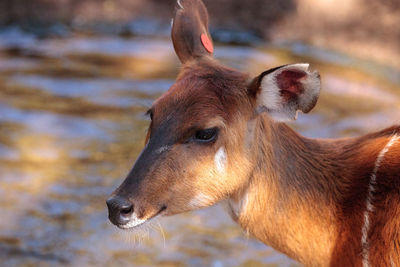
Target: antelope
218	135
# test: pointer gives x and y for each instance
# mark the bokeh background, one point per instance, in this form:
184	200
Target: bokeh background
76	77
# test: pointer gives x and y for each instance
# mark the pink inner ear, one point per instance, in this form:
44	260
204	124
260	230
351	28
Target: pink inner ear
289	83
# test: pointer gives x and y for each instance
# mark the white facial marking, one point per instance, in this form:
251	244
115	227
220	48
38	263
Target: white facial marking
370	199
133	221
200	200
220	160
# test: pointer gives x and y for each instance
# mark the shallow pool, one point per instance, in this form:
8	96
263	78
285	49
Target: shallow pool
72	123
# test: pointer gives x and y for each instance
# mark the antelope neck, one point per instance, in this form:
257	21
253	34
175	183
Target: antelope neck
297	195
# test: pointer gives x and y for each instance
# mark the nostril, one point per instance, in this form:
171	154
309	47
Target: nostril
120	210
126	210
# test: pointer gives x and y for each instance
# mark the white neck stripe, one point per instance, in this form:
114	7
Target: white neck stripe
369	200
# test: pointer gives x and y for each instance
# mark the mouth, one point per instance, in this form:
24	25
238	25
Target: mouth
135	222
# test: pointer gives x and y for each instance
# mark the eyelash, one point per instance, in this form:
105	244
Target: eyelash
206	135
201	136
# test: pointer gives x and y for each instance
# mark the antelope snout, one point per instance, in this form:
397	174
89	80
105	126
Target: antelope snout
119	210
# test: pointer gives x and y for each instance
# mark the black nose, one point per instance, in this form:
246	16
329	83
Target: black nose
119	210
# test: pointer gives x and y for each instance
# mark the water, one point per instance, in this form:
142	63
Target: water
72	123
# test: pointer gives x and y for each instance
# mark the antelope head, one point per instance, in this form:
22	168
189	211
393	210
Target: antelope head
199	143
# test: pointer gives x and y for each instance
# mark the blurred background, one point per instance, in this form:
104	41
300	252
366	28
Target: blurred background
76	77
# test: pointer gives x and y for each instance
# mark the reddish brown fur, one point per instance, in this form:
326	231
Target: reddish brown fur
305	178
304	197
326	179
203	90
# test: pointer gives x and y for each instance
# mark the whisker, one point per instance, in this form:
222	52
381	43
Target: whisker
161	230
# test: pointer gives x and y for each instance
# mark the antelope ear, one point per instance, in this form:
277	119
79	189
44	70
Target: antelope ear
190	34
284	90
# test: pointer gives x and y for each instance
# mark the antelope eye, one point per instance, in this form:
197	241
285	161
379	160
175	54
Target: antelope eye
206	135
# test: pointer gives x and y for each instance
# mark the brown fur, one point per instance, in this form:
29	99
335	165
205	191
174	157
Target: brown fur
309	197
304	197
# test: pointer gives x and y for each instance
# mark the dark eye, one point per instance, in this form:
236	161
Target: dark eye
206	135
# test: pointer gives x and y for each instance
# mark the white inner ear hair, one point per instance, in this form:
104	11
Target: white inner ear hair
312	88
270	99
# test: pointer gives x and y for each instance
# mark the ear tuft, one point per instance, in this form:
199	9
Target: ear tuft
284	90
